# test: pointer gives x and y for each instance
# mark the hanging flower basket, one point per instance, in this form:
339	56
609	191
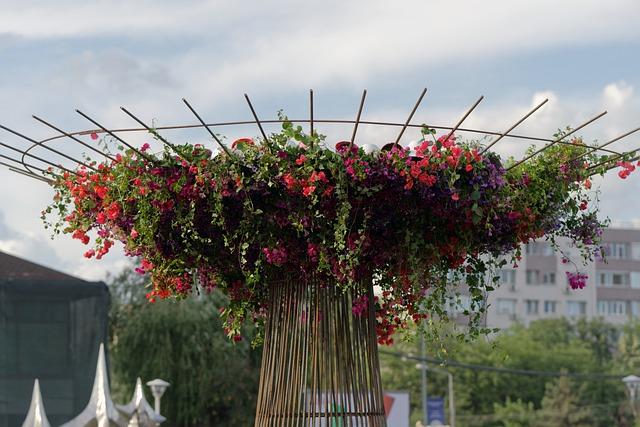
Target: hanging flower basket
297	234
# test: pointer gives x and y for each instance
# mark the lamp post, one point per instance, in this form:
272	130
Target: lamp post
633	385
452	405
158	388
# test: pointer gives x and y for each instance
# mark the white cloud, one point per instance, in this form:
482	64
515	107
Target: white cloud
615	95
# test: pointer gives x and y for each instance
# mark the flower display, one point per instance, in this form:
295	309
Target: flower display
420	225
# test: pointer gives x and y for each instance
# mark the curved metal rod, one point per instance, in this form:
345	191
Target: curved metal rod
325	121
464	117
44	122
503	134
556	141
36	143
406	124
355	126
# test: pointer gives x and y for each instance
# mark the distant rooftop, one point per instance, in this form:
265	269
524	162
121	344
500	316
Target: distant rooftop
12	267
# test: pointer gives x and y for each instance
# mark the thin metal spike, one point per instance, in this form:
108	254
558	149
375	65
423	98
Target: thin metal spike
33	156
311	110
464	117
406	124
355	126
613	159
68	135
27	174
138	152
53	150
213	135
556	140
255	116
22	163
505	133
141	123
618	138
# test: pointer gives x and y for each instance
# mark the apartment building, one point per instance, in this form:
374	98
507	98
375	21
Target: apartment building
538	288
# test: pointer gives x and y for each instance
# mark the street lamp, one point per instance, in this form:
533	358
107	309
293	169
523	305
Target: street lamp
158	388
633	385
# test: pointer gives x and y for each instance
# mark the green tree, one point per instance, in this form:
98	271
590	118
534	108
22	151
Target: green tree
213	380
561	406
515	413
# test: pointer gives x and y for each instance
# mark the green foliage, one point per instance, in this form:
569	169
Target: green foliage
488	398
213	380
516	413
561	406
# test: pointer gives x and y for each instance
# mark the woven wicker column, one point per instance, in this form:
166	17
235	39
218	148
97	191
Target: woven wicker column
320	363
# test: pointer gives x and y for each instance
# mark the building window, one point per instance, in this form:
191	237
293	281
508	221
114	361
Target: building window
576	308
613	278
506	306
635	279
532	306
549	307
612	308
507	276
549	278
616	250
635	308
539	248
533	277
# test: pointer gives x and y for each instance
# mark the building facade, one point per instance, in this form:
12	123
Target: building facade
538	287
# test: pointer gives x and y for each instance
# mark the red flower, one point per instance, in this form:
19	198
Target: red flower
468	168
308	190
90	253
587	184
101	191
289	181
113	211
145	147
300	160
101	218
455	197
94	135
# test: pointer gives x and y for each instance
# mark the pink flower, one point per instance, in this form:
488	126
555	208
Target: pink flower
145	147
455	197
134	233
577	280
90	253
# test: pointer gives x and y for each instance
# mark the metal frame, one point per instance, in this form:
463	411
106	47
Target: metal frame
31	170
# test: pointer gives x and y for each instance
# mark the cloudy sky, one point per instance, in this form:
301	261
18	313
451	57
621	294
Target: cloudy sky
584	55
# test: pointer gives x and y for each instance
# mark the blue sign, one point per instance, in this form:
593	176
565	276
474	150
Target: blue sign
435	410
